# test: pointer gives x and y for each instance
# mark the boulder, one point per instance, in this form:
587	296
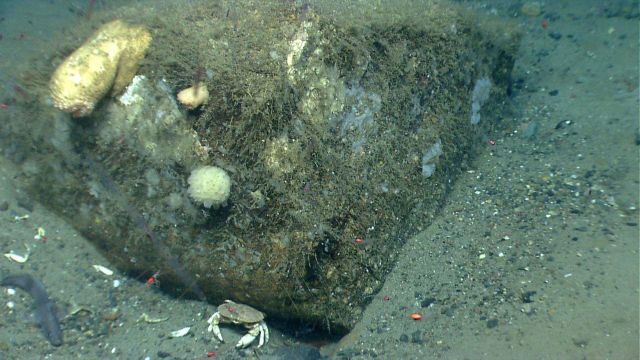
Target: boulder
341	128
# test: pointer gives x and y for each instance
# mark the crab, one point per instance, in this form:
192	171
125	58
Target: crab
234	313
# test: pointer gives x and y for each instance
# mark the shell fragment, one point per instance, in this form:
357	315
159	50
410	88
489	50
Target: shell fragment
148	319
11	255
103	270
180	333
76	309
21	217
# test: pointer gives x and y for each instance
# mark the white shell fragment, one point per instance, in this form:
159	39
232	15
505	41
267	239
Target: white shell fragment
148	319
180	333
103	270
21	217
76	309
11	255
17	258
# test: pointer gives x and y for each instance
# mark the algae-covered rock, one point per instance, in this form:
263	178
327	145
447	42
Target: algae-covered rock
147	121
340	126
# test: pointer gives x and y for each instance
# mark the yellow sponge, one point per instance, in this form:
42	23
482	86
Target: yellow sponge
106	61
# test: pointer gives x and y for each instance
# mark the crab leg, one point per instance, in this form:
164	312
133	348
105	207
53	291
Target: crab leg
261	341
264	334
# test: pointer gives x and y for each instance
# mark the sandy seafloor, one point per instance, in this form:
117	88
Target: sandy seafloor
534	256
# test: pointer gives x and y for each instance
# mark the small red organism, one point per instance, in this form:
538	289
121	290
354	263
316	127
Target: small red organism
544	24
153	280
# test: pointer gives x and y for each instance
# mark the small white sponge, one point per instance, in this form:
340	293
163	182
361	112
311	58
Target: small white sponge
209	185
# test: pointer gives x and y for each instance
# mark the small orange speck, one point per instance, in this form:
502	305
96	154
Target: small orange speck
359	241
416	316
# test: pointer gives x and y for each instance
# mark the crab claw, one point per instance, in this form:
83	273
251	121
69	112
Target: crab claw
213	321
245	341
250	336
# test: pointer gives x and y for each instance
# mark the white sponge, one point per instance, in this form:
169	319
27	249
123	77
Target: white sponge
209	185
